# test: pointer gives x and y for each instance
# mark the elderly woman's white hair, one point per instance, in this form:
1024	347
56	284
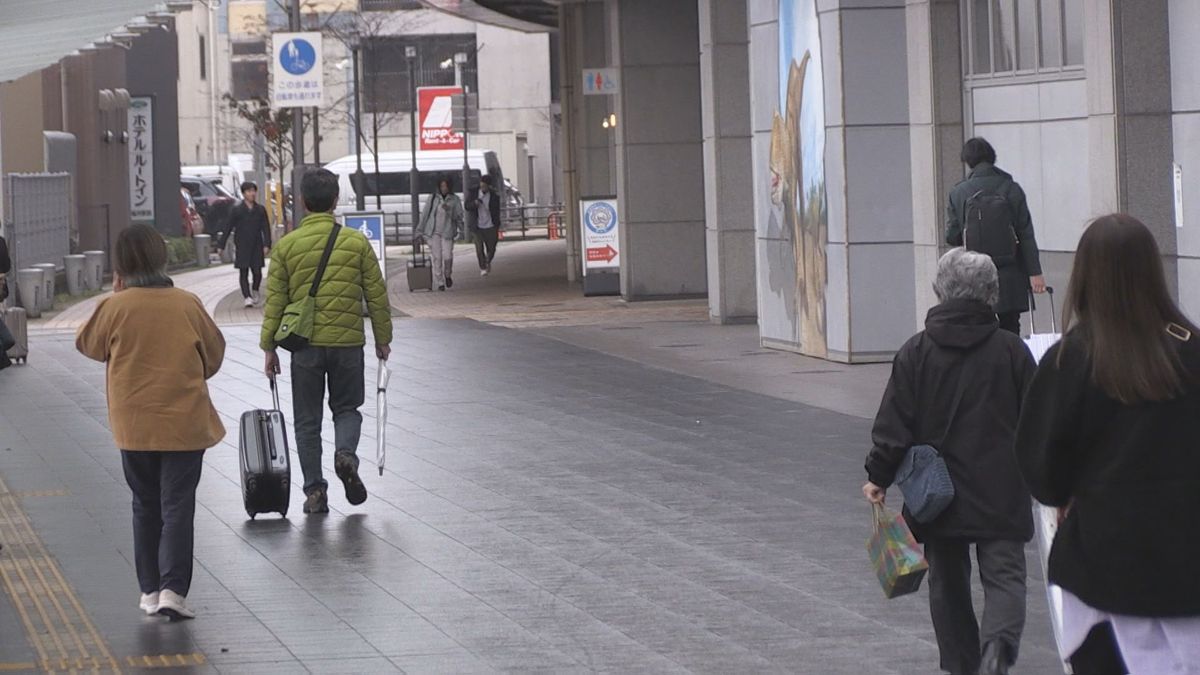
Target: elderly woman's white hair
966	275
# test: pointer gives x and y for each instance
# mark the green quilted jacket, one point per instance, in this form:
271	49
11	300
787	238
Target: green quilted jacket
352	274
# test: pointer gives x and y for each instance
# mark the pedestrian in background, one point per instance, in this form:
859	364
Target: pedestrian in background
160	347
335	352
1109	435
251	231
6	338
485	209
996	203
440	224
958	386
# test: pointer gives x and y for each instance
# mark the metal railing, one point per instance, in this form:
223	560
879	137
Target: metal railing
536	220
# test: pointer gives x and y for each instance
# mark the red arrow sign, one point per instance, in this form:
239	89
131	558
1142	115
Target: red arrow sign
605	254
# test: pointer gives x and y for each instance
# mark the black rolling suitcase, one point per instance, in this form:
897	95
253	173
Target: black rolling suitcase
420	271
266	469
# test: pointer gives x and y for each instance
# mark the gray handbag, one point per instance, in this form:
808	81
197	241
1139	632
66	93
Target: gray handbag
924	480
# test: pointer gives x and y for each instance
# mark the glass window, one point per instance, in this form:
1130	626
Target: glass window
1073	25
1051	37
981	51
1027	34
396	182
203	59
1004	38
385	83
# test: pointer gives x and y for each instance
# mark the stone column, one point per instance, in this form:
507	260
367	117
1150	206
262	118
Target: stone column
935	109
659	158
728	186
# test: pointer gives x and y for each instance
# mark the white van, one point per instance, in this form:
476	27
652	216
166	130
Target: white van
394	190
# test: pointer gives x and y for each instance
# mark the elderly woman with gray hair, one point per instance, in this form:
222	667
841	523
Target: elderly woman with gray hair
958	386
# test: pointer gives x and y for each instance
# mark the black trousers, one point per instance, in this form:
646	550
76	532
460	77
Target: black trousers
485	246
1099	654
1010	321
244	274
164	510
1002	570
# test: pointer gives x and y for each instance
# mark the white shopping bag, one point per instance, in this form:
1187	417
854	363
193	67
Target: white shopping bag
1045	518
381	415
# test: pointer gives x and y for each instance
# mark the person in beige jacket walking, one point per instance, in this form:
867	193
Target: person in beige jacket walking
160	347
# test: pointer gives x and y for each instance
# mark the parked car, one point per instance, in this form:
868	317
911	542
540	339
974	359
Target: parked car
193	224
213	201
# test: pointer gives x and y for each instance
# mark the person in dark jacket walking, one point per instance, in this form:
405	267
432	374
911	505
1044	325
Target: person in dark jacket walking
1024	270
958	386
1109	435
6	337
251	231
484	223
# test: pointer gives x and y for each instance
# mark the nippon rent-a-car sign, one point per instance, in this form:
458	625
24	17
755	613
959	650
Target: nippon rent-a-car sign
436	118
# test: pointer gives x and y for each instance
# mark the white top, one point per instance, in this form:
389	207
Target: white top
485	210
1149	646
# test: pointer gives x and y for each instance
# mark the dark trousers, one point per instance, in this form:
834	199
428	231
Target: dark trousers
343	369
485	246
1002	571
1010	321
164	509
244	274
1099	654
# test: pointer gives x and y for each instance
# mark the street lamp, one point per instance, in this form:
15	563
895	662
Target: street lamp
360	197
410	54
460	60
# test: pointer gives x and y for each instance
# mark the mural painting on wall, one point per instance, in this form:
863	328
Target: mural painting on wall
799	214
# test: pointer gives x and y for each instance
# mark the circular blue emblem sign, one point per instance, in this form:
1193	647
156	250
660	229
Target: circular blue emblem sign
297	56
600	217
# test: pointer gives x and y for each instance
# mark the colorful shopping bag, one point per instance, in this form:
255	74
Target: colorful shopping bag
898	560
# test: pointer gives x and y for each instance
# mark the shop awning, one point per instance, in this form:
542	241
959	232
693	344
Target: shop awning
35	34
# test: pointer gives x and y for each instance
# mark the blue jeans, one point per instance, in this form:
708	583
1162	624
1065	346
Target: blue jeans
344	370
164	510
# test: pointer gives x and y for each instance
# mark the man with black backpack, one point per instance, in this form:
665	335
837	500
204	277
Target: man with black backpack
987	214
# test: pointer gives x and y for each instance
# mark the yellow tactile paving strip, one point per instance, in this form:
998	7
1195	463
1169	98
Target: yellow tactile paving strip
54	619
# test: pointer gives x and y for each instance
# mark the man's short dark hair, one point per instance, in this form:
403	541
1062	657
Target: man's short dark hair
249	185
319	189
486	178
976	151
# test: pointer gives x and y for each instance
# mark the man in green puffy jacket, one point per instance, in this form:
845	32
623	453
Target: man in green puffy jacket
335	353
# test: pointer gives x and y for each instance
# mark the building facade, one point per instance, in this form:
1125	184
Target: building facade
791	159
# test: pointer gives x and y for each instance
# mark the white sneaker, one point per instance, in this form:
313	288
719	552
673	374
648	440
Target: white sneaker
248	302
149	603
485	272
174	606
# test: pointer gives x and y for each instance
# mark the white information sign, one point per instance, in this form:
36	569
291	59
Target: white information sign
601	234
601	81
141	158
297	75
370	225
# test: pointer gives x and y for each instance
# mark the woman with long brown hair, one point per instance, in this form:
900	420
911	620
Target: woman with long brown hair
1110	434
159	346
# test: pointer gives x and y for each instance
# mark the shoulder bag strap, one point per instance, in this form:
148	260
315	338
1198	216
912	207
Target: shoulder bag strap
333	235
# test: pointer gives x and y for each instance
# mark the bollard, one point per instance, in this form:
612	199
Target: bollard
75	265
30	286
94	269
203	248
51	273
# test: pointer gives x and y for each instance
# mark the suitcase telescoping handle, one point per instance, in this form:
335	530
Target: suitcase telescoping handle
1033	311
274	391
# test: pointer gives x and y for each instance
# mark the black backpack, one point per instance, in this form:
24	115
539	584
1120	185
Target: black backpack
989	227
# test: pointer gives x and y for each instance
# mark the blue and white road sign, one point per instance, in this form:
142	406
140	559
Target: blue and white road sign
297	75
370	225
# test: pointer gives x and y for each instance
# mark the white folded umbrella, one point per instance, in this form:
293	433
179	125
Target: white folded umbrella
381	414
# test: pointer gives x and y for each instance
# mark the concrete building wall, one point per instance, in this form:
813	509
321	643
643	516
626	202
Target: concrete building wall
1184	23
22	119
659	148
